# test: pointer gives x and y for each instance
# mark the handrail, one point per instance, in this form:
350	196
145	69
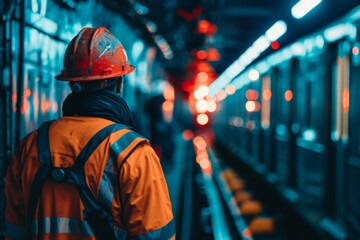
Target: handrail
220	228
239	222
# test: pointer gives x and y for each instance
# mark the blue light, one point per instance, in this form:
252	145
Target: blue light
261	44
276	31
303	7
338	31
245	59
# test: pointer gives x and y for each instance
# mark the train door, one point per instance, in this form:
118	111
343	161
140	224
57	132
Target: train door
240	124
267	118
347	127
232	113
311	126
252	106
224	122
282	134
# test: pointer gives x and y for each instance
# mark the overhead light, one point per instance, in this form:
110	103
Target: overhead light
261	44
202	76
140	8
204	90
251	54
336	32
201	106
151	26
230	89
243	61
303	7
137	49
164	46
254	75
276	31
298	49
168	54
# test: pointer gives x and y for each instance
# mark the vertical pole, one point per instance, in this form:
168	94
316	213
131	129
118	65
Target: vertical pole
10	123
6	73
20	82
2	123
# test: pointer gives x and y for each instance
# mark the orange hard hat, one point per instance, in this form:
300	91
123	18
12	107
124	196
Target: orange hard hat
94	54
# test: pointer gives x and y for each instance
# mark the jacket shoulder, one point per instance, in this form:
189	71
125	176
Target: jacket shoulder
124	141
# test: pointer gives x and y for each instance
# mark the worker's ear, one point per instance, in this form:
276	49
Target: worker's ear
119	86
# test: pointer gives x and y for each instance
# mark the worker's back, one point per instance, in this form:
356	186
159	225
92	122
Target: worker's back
123	173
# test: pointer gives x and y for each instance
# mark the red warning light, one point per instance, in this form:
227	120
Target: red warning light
252	94
207	28
355	51
213	55
288	95
275	45
201	54
187	134
203	26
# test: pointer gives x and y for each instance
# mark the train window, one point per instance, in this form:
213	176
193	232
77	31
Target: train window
265	102
341	82
308	83
308	111
311	103
281	79
354	113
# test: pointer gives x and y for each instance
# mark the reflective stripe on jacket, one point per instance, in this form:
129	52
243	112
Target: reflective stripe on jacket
123	173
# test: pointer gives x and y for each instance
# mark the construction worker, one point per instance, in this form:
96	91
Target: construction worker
87	175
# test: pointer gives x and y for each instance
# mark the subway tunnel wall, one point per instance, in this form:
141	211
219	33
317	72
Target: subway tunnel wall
283	141
43	59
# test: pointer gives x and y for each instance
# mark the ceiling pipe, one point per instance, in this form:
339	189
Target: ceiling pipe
152	29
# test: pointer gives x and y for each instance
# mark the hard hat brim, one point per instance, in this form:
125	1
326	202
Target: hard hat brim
61	77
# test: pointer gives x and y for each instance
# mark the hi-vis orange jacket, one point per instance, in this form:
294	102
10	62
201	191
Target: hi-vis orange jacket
125	177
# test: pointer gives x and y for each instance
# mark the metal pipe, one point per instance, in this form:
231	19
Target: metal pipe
7	124
6	88
3	129
9	111
20	82
2	91
31	25
6	15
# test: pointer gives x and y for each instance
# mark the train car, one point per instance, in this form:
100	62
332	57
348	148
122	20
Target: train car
303	136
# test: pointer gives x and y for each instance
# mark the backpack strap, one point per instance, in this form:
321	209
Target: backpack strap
100	221
45	161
